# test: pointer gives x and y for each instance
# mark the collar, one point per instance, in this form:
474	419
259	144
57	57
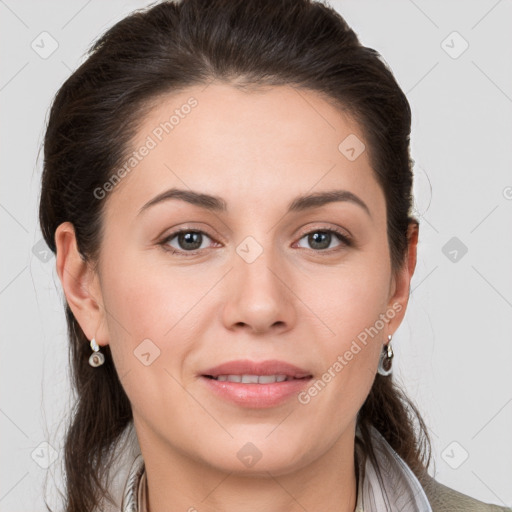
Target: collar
391	485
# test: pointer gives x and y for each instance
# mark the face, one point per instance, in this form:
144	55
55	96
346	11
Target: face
258	273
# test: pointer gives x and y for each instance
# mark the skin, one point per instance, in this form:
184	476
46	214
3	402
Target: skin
258	151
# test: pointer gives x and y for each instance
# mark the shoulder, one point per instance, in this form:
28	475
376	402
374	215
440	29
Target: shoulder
445	499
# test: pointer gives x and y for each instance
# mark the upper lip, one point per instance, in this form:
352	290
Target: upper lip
246	367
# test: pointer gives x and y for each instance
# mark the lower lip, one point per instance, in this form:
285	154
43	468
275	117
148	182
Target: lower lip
256	395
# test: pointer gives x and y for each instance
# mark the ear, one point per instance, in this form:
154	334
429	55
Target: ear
80	284
401	281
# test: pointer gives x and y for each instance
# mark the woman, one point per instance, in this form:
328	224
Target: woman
253	369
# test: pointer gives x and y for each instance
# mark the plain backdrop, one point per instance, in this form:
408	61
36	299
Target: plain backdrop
453	351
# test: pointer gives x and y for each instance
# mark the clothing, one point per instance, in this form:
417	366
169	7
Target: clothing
391	486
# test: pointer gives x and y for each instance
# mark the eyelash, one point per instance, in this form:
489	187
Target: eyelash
342	237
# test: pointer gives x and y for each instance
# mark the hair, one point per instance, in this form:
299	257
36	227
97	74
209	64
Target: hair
167	47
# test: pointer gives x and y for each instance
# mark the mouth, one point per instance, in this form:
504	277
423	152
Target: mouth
256	372
256	379
252	384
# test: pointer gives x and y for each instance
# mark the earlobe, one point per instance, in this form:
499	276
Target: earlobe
79	282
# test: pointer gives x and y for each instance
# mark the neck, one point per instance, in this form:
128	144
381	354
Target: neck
178	483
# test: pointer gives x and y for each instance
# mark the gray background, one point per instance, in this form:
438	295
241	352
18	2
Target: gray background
453	351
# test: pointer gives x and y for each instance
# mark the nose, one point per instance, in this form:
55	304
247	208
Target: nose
258	295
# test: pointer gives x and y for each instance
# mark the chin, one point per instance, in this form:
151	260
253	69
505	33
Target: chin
253	458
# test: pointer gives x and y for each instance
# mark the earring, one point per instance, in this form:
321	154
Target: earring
386	359
96	358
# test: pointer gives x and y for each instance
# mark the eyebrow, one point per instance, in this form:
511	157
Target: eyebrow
217	204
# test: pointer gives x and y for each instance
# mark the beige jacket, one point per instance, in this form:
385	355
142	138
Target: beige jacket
401	490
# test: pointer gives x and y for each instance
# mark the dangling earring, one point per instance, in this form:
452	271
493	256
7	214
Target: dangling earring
386	359
96	358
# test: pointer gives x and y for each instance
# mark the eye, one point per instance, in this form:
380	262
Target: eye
320	239
189	241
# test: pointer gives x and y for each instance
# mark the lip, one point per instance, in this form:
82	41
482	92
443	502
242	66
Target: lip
247	367
256	395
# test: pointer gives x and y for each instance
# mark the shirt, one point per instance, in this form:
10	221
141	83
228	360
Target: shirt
390	486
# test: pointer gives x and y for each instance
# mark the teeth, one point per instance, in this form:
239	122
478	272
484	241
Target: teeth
268	379
253	379
249	379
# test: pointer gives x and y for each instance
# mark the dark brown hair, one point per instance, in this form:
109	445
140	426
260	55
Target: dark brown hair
165	48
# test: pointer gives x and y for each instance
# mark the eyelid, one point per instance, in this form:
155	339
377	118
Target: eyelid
344	237
165	241
340	231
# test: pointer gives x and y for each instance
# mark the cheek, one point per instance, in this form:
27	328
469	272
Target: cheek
141	296
150	309
146	336
137	306
352	306
352	300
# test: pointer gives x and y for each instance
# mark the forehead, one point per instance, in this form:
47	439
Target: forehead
275	142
